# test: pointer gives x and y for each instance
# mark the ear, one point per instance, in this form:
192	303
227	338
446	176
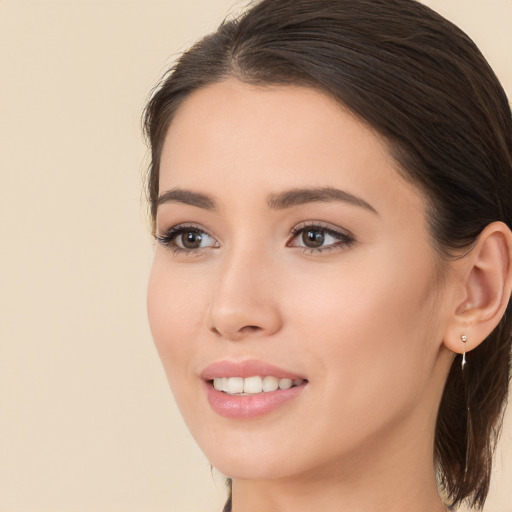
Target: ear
484	282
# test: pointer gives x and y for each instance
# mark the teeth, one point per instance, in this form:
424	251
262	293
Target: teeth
270	383
253	385
285	383
235	385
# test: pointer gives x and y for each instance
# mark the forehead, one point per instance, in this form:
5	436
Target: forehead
262	111
265	138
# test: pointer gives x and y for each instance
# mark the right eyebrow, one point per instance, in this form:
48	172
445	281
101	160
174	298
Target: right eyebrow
177	195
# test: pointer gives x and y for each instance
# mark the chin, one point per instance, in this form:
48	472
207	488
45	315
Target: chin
252	457
249	468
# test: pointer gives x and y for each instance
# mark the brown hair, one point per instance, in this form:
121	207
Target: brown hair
425	87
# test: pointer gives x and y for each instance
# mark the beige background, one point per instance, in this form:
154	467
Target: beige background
87	422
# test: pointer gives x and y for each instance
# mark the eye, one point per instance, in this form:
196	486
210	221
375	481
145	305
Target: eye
319	238
184	238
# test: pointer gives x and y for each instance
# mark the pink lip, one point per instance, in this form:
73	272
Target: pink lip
247	406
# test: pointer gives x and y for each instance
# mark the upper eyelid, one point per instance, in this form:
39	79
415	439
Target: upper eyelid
177	228
320	225
184	226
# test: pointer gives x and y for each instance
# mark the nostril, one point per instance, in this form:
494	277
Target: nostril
250	328
247	329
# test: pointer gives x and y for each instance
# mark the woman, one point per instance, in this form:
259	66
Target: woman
331	190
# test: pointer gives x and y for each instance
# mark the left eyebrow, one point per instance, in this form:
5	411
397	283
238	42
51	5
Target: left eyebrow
298	196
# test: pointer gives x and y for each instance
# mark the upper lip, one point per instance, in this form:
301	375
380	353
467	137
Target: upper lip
246	368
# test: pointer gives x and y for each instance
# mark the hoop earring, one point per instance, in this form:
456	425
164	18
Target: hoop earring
464	340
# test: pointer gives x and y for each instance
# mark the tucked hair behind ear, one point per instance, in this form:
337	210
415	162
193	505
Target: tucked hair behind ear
422	84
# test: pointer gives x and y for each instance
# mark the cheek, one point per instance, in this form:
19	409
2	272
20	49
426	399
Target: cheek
370	330
374	301
174	318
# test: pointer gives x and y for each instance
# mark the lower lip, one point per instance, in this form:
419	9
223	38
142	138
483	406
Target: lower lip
249	406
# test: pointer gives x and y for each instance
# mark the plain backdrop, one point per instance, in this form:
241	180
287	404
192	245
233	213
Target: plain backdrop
87	422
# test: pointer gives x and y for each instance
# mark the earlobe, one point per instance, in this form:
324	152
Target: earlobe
486	278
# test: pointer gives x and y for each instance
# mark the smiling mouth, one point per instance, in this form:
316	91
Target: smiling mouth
255	385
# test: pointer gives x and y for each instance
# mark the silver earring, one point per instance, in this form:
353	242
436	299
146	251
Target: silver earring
464	340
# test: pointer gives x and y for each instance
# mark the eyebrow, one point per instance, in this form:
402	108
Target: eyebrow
281	201
177	195
300	196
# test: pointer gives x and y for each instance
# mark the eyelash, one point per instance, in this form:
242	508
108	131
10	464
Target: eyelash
345	240
168	239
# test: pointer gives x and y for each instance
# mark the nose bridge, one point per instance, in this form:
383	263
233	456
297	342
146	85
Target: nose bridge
244	299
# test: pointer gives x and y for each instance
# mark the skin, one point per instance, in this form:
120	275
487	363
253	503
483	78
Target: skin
365	322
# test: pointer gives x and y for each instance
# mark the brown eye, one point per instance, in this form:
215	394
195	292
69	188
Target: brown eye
187	239
313	238
191	239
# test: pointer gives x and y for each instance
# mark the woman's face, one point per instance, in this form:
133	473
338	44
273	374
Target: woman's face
291	248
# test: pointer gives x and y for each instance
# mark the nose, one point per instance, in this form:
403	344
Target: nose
245	298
